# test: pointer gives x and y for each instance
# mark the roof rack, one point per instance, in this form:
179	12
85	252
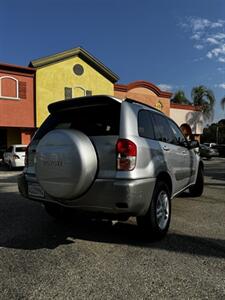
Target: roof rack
141	103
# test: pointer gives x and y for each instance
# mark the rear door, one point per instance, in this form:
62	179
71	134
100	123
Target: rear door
99	120
176	156
20	152
189	154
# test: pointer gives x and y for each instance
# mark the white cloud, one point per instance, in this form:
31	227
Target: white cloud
165	87
198	59
221	59
221	70
196	36
219	36
199	24
209	55
218	51
217	24
221	85
208	35
212	40
199	47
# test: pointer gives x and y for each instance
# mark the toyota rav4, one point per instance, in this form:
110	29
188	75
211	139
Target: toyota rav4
113	158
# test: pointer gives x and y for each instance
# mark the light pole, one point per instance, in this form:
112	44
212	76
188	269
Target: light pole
217	134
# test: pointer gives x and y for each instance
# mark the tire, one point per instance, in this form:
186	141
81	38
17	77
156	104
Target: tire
197	189
156	222
10	167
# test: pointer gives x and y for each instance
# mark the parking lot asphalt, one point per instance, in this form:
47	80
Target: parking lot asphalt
45	259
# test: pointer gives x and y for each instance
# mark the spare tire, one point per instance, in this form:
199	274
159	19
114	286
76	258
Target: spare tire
66	163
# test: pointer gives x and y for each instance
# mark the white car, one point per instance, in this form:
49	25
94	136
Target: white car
14	156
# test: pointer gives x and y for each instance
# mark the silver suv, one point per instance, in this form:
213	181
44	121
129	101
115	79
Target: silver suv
111	157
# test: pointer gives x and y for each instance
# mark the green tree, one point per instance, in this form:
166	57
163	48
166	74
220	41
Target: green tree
180	98
223	103
204	97
214	133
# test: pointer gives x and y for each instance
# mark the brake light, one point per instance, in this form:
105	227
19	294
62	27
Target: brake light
126	155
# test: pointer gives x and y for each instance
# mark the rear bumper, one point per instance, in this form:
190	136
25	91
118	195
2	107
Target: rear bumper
18	163
104	196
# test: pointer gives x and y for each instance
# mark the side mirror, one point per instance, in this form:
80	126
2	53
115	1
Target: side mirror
193	144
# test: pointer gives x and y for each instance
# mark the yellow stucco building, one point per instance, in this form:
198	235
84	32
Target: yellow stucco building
69	74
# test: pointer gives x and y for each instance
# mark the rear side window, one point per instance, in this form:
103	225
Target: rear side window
93	121
179	137
145	125
20	149
162	129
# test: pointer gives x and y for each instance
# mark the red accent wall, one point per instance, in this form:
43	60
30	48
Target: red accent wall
17	112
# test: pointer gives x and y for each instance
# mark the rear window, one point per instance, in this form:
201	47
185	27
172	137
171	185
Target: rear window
93	121
20	149
145	126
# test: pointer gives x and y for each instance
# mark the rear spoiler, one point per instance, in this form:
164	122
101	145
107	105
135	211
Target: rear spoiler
87	101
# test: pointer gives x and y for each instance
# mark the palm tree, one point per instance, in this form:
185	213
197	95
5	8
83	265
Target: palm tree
222	102
180	98
204	97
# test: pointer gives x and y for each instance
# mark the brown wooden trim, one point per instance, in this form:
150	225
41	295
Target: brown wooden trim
16	69
16	73
187	107
144	84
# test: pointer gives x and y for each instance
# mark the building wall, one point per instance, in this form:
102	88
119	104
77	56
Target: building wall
146	93
17	111
51	81
190	115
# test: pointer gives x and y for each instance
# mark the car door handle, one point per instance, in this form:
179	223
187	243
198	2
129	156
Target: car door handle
166	148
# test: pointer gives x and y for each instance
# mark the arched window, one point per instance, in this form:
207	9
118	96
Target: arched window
76	91
9	87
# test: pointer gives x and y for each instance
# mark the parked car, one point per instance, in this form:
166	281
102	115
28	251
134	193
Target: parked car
210	145
207	152
2	150
114	158
14	156
220	148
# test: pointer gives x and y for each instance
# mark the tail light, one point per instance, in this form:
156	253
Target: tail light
126	155
15	156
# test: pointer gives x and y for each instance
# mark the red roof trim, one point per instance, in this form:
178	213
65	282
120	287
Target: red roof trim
187	107
141	83
16	68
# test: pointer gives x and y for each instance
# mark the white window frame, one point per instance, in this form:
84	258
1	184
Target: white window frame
78	87
17	88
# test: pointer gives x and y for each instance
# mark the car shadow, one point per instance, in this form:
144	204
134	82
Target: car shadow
25	225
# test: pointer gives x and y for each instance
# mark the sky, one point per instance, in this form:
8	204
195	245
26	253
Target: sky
175	44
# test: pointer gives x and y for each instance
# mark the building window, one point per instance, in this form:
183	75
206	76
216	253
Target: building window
77	91
22	90
78	69
68	93
9	87
88	93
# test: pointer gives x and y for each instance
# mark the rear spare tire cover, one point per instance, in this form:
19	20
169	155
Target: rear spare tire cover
66	163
